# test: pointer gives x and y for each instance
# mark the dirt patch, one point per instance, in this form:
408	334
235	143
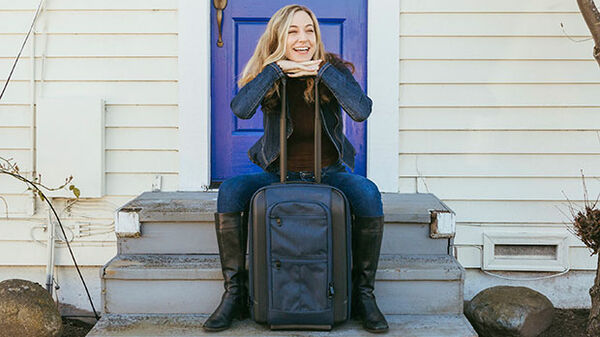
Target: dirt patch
75	328
568	323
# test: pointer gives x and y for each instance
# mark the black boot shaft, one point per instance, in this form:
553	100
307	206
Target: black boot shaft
231	238
367	235
231	229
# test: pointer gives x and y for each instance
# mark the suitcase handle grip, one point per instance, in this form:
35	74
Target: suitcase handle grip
283	135
297	182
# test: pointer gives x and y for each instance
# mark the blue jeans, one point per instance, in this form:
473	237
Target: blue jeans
364	197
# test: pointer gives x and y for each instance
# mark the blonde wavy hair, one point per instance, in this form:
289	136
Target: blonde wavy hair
271	48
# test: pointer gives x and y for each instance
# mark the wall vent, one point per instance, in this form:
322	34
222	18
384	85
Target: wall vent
525	251
547	252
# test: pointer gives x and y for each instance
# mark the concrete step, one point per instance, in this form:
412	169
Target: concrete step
200	238
183	223
115	325
405	284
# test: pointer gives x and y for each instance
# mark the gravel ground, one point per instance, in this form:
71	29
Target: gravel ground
75	328
568	323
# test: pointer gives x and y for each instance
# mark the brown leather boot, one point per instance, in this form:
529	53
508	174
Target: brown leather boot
232	234
367	233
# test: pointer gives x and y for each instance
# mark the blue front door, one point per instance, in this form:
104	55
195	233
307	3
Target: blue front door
344	28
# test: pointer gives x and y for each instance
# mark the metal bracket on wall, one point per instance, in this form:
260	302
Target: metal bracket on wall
442	224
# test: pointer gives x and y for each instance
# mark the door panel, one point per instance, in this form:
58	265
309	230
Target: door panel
343	28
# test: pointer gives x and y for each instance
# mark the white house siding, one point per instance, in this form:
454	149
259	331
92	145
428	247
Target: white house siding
124	51
499	111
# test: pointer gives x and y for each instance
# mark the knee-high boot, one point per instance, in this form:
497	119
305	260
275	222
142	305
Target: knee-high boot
367	233
232	236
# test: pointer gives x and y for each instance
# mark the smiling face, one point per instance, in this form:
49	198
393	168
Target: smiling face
301	40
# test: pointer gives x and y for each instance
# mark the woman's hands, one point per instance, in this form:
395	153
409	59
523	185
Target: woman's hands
298	69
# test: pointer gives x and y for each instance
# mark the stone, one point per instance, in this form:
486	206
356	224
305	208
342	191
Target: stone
27	310
506	311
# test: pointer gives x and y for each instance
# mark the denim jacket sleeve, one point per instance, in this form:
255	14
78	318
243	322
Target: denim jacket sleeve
346	90
246	101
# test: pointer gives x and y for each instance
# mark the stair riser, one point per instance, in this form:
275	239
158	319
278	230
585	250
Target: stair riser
203	296
200	238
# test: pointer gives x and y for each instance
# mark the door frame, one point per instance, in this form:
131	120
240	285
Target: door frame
383	78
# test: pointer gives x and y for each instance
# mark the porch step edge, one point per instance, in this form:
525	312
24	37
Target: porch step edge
200	206
187	325
207	267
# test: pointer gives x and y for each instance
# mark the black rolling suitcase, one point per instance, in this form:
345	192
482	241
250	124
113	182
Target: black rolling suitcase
300	247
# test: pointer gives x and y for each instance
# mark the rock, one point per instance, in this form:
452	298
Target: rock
505	311
27	310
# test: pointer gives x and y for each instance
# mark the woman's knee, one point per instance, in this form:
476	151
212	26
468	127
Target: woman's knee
371	189
370	200
363	195
235	192
363	186
232	193
228	199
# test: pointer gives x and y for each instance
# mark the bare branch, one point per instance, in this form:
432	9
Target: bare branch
592	19
5	205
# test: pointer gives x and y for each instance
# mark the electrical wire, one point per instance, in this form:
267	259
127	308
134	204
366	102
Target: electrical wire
31	230
419	175
12	70
85	230
72	256
526	278
64	235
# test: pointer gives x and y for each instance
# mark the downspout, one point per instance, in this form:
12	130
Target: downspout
50	252
50	246
592	19
50	227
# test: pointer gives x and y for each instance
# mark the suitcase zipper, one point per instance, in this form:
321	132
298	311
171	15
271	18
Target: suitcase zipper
331	290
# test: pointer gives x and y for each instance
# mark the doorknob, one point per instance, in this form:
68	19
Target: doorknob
220	7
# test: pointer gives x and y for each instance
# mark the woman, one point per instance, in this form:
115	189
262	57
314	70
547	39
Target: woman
291	50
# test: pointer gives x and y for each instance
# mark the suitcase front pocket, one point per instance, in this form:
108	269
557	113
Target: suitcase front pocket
300	286
299	230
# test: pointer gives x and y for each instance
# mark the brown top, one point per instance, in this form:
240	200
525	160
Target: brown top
300	145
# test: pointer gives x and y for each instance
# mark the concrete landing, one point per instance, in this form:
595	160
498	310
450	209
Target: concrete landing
115	325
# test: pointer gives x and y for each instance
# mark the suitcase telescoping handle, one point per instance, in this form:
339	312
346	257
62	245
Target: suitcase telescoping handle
283	136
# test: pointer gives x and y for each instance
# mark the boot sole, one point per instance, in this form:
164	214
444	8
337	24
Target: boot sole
362	321
215	329
377	331
227	327
241	317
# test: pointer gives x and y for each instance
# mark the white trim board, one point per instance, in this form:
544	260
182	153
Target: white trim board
194	94
383	76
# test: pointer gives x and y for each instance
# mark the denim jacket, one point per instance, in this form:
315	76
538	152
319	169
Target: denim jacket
347	92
